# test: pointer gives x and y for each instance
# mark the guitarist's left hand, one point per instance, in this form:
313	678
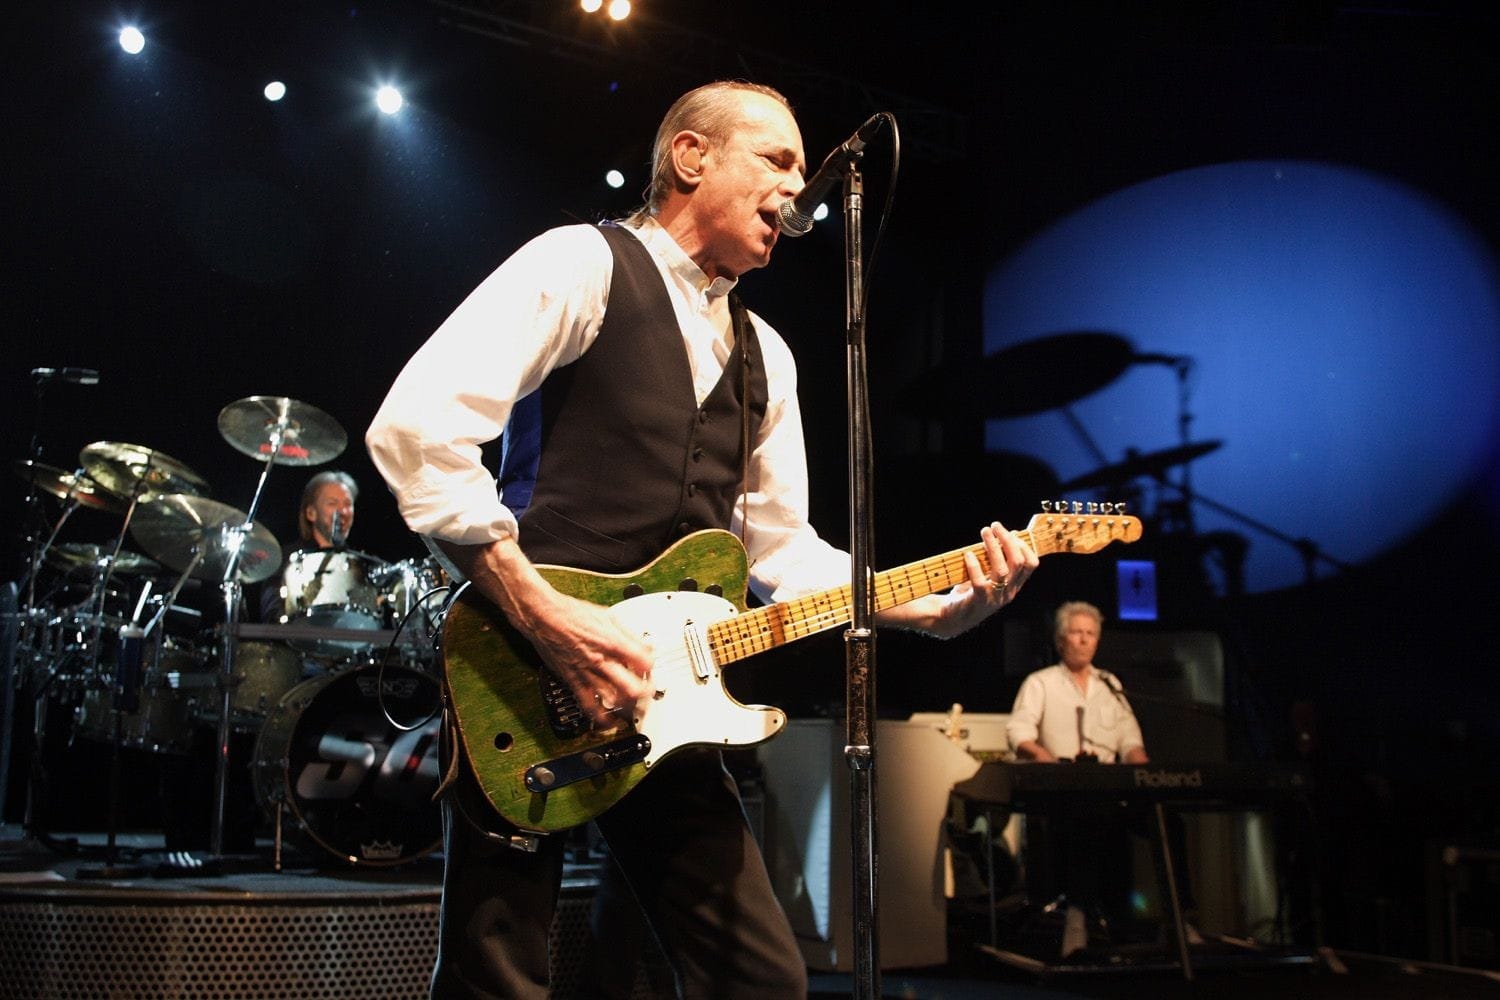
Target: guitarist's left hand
1009	562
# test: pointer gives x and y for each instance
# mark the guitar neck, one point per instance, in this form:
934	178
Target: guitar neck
766	628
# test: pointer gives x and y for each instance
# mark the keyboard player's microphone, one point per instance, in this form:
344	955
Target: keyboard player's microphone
1112	683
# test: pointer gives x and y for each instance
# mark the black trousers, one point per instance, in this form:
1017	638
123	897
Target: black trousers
1085	854
683	844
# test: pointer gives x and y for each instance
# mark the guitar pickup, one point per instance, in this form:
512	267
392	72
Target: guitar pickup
563	771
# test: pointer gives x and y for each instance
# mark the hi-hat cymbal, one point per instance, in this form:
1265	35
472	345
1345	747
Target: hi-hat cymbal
125	468
1153	463
1030	377
176	527
308	435
69	486
84	558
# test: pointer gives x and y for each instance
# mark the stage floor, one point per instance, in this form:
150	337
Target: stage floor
70	928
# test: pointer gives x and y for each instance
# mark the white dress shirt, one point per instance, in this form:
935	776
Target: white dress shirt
541	309
1046	710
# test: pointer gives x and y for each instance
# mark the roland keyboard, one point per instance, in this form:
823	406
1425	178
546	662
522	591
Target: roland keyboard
1021	785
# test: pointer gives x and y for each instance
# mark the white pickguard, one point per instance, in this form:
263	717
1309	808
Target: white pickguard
687	703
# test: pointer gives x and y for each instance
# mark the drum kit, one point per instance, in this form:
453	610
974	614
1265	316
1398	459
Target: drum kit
339	693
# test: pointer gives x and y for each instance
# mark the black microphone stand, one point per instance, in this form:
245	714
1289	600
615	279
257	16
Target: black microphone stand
859	640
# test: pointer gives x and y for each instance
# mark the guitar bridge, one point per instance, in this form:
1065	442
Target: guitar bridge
563	714
574	767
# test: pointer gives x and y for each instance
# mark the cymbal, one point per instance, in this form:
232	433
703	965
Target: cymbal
1030	377
175	527
308	435
1150	464
69	486
121	468
82	557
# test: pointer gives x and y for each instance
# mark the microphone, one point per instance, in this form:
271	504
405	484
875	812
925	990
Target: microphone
77	376
1085	756
795	214
336	532
1109	682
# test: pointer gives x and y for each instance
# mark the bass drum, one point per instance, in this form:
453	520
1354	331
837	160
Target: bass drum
358	786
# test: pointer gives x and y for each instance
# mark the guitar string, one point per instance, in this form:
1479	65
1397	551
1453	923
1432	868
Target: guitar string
757	631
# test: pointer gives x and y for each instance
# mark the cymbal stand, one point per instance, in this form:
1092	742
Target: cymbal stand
171	598
70	504
26	618
233	592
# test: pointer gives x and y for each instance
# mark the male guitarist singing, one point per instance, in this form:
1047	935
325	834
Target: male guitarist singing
667	408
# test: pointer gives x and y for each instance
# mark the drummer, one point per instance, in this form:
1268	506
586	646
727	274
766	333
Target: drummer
324	520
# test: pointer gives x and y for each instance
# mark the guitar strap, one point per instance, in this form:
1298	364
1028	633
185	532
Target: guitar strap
740	321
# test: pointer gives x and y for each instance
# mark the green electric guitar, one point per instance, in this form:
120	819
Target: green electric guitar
544	766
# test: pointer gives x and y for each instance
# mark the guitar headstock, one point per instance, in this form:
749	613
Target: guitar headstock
1083	527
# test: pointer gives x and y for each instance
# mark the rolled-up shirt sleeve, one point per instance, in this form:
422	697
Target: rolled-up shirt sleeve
538	310
1025	718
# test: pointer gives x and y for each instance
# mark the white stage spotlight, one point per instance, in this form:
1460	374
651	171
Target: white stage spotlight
615	179
388	99
275	90
131	39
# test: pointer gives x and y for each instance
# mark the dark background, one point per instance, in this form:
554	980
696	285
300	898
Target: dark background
198	245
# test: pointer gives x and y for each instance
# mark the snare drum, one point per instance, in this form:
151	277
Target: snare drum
358	786
330	588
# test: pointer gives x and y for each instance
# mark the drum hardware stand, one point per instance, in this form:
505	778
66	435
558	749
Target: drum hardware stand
127	701
71	504
234	539
229	650
25	614
108	567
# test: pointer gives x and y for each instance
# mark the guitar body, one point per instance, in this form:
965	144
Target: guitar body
515	721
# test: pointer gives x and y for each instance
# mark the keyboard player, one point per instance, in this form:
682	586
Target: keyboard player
1076	714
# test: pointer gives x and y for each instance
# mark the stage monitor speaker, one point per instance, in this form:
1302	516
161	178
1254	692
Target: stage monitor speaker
808	839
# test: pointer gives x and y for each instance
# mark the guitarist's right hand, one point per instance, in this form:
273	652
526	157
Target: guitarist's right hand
607	667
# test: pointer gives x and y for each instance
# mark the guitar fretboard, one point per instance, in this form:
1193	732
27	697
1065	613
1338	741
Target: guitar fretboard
766	628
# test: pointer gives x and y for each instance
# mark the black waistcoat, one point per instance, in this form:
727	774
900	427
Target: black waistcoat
629	461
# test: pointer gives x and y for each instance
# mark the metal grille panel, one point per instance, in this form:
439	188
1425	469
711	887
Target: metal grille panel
324	951
345	942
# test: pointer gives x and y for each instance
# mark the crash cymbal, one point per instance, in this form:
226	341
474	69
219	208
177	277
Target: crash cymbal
1153	463
124	468
69	486
308	435
84	558
1030	377
177	526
